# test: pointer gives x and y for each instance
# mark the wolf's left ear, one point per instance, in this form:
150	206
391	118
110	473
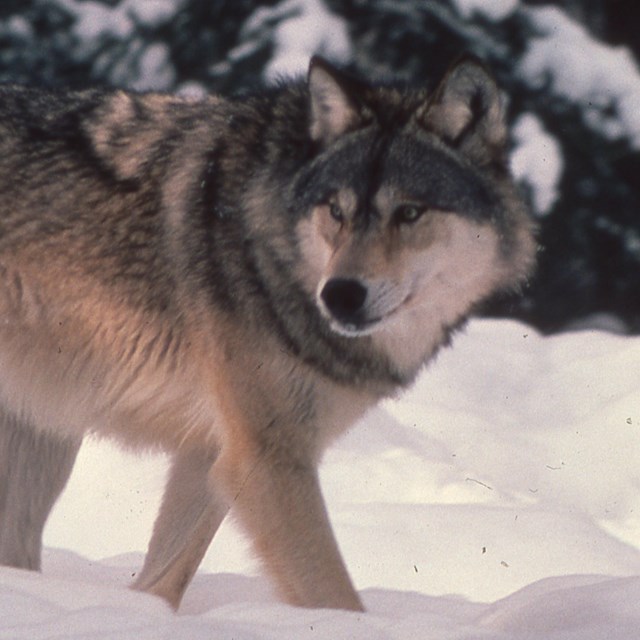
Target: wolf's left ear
466	109
333	111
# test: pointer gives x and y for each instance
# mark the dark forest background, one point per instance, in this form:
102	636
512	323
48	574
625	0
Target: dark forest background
569	69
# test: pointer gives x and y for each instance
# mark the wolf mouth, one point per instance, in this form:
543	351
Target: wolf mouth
365	326
355	330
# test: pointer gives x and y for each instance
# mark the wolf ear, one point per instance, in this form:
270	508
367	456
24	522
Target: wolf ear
466	109
333	111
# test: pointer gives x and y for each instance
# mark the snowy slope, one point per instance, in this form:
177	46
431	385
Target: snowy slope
497	499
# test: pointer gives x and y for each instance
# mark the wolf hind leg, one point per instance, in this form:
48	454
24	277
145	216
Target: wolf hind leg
34	469
189	517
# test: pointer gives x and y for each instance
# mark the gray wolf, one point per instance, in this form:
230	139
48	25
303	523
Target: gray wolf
235	281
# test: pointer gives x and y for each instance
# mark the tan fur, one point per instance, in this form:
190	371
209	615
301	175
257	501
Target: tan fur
87	343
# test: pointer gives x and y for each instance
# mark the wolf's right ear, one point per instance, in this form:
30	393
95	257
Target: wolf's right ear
332	110
466	109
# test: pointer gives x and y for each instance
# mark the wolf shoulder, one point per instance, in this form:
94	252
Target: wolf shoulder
102	126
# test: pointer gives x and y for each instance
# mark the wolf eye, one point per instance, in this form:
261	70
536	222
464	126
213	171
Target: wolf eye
336	212
407	214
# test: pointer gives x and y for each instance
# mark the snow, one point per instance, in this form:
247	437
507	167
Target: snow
98	28
496	499
152	13
16	27
602	79
537	160
155	71
493	10
94	22
309	28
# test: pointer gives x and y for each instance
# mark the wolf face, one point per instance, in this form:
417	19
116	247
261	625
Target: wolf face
410	211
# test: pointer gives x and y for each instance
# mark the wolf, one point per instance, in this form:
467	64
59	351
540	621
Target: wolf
235	281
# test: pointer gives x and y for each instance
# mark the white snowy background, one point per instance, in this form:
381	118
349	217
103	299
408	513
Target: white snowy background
497	499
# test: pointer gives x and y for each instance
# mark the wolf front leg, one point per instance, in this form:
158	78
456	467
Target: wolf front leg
278	501
189	517
34	468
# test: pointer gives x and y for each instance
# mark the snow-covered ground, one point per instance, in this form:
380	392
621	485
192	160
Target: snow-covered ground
499	498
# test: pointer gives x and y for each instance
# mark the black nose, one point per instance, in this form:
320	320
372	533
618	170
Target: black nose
344	298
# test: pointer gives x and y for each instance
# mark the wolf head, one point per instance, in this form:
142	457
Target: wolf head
410	217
